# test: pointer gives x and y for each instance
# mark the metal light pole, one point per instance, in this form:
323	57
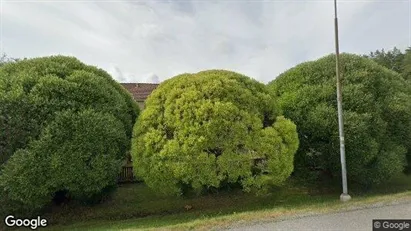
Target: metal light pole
344	196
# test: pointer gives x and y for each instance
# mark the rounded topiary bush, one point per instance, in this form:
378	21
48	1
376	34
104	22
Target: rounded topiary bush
65	128
32	90
212	128
377	117
78	152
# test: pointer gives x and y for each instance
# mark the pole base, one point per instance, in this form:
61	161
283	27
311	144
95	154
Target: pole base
345	197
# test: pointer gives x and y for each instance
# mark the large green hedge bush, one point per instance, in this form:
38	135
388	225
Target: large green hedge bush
377	114
65	127
78	153
212	128
32	90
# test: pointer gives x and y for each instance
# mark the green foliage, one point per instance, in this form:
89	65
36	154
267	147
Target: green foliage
31	91
395	60
64	128
406	67
79	152
392	59
377	117
213	127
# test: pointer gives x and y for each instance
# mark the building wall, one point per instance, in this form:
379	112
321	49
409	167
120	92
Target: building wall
140	105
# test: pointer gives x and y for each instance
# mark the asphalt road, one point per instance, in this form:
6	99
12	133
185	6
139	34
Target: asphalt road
350	220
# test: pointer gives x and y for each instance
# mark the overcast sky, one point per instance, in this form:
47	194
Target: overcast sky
140	41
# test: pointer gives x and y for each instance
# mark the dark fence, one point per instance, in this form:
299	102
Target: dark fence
126	175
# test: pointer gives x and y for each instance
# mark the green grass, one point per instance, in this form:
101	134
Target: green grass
134	206
136	200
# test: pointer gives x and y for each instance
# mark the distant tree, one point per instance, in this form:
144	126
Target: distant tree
392	59
211	129
5	59
406	65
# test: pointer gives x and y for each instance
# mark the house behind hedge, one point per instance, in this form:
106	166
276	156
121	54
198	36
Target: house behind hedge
140	91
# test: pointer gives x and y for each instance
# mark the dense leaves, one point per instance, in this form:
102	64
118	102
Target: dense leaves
78	153
64	126
406	68
211	128
391	59
394	59
31	91
377	113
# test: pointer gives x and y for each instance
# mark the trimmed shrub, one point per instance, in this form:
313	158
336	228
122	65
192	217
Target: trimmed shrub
203	130
377	117
32	90
78	153
65	127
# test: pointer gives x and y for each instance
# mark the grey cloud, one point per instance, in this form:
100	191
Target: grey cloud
260	39
153	78
118	74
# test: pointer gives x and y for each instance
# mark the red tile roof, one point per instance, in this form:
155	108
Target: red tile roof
140	91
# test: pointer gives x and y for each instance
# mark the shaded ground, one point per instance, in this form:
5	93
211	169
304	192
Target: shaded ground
135	206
